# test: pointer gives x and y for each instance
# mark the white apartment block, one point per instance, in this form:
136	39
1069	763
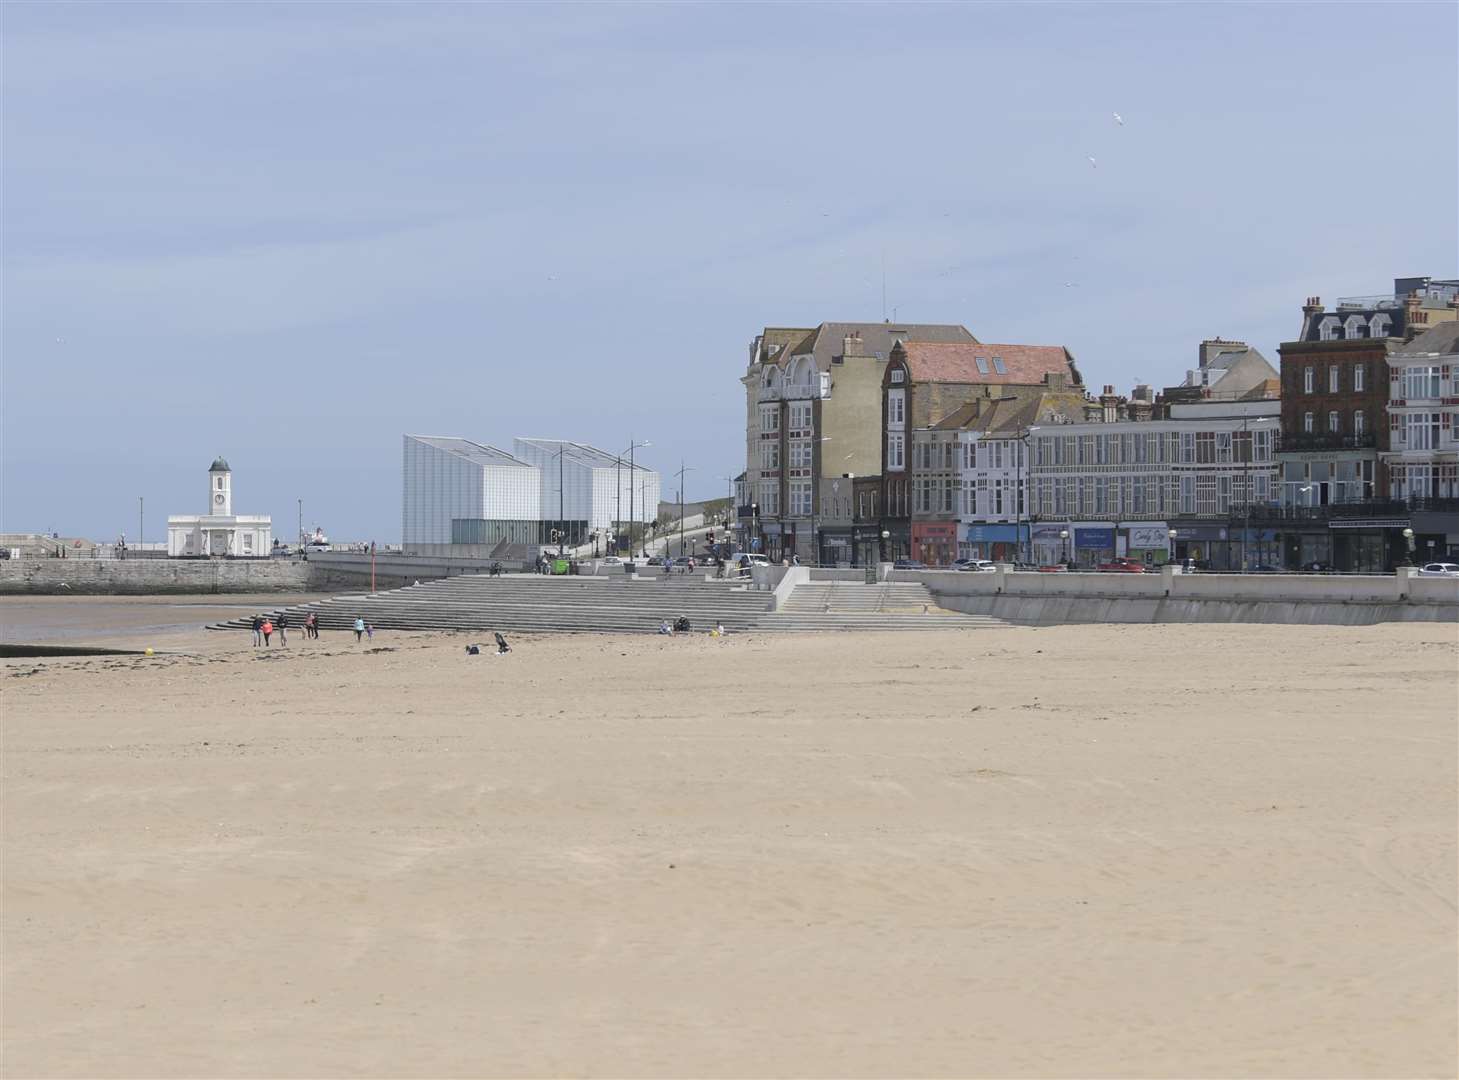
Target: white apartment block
1422	459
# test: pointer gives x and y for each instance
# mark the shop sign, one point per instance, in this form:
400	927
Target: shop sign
1200	532
1094	539
934	531
1048	534
984	534
1149	536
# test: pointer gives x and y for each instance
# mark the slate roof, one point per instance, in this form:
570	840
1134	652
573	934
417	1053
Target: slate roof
877	339
1006	415
219	465
1442	340
1024	365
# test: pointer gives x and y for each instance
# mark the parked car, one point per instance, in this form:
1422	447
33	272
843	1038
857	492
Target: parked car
1317	567
611	560
1439	569
908	564
1053	568
756	559
976	566
1122	565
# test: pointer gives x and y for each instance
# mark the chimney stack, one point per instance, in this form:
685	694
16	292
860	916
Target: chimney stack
1312	307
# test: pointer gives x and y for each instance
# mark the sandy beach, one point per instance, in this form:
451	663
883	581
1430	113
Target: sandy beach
1077	851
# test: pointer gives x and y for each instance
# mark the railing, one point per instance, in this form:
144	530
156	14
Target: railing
1367	508
1328	441
1386	301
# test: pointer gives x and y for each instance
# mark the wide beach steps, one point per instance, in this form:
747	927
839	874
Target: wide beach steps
529	602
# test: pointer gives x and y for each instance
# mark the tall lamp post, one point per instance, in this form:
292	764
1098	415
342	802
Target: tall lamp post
1408	545
1064	543
680	474
1171	535
632	446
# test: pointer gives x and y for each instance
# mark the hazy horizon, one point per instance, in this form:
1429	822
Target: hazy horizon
289	234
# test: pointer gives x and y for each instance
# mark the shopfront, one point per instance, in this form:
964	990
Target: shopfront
1146	541
836	547
1050	543
1094	542
934	542
1001	543
866	545
1206	545
770	540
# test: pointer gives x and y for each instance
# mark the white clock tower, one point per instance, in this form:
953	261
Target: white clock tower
218	532
220	489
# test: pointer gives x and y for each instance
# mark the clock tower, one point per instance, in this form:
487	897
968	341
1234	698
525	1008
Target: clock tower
220	489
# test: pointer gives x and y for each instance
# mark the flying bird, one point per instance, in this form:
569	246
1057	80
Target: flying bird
1071	284
1120	120
1093	163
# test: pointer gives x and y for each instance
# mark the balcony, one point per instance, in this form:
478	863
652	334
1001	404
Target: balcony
1326	440
1367	508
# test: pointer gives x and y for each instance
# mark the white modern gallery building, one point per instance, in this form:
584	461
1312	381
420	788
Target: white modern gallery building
465	498
220	532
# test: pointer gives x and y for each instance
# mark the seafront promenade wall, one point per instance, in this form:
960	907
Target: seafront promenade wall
1170	596
122	577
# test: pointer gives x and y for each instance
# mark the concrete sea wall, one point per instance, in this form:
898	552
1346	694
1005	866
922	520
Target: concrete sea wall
1170	596
113	577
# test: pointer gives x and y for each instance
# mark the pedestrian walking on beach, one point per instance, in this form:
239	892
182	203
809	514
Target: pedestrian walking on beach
311	624
284	630
258	630
370	631
268	629
359	628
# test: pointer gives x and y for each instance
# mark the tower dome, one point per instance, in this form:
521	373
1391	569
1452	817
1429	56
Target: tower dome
219	465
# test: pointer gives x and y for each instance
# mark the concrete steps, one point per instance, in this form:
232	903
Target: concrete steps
533	603
848	596
527	602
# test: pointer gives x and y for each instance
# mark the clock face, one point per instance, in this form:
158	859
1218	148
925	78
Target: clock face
218	498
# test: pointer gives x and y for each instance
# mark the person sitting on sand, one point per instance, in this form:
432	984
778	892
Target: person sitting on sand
665	628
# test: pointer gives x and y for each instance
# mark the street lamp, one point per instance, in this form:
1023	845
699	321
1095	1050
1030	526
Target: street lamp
1064	543
1172	534
885	536
1408	543
632	446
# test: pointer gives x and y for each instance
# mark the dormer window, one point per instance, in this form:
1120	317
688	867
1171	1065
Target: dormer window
998	365
1357	327
982	362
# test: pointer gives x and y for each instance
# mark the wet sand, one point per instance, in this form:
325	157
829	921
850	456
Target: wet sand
1075	851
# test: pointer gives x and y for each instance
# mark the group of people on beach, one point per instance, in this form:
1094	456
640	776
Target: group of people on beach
264	628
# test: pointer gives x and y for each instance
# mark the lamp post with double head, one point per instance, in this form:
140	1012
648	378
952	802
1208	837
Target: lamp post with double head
632	446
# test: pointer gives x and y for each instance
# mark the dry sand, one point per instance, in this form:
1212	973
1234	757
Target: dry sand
1078	851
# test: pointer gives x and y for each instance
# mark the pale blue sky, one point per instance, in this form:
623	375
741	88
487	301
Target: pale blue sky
289	233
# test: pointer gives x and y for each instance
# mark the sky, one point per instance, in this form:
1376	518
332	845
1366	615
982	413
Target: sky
291	233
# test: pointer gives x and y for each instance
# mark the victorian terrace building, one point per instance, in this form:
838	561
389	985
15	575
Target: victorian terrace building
813	401
925	383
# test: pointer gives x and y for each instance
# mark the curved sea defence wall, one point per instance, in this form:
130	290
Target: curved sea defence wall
1044	599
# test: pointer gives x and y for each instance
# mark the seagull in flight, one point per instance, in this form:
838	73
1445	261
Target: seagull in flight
1071	284
1120	120
1093	163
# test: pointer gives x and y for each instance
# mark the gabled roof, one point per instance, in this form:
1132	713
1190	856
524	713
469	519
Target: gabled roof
1009	414
1442	340
475	453
1023	365
829	339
